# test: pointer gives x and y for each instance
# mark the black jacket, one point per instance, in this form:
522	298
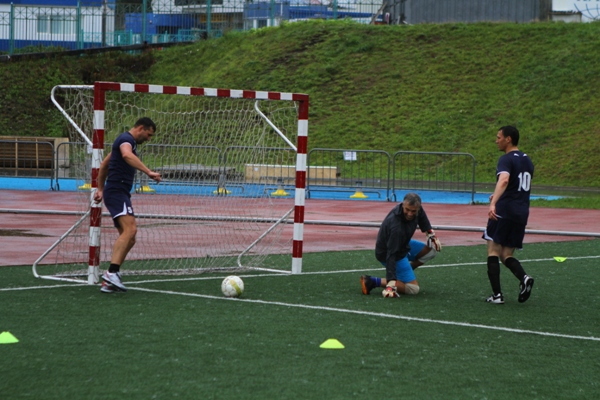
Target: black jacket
394	237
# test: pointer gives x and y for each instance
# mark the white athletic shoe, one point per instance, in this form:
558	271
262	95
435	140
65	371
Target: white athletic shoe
114	278
495	299
108	288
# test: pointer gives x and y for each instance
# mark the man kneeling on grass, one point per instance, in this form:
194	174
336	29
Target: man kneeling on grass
398	252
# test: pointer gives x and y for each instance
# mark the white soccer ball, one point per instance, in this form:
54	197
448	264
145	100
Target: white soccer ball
232	286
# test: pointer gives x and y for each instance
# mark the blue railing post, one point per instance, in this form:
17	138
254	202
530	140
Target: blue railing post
104	16
78	27
208	17
335	8
11	34
144	20
272	13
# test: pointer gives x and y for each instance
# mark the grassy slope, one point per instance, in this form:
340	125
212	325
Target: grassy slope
25	86
424	88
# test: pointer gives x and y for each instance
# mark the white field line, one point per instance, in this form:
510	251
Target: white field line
333	309
346	271
373	314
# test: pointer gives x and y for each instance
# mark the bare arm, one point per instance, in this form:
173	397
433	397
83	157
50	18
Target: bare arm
498	192
102	174
136	163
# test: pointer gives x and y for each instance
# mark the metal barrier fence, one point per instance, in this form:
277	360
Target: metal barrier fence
437	171
357	171
374	172
102	23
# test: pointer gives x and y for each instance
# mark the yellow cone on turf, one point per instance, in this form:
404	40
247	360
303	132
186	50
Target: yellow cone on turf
332	344
560	259
7	337
85	186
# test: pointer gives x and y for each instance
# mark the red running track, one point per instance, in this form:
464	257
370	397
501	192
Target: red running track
24	237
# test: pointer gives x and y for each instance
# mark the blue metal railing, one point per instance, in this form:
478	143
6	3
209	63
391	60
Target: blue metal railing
26	28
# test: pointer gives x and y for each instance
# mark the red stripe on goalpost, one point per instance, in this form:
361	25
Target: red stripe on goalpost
170	89
141	88
223	93
297	249
302	144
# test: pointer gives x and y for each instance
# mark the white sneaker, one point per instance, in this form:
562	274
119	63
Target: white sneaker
496	299
114	278
108	288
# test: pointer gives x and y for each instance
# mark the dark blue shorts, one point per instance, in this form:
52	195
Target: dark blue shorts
118	203
504	232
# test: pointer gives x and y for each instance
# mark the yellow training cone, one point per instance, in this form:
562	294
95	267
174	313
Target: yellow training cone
7	337
145	189
560	259
222	191
280	192
359	195
332	344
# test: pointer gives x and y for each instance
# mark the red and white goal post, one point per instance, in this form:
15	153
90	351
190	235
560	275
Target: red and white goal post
233	164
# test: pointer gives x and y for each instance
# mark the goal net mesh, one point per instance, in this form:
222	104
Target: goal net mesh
226	201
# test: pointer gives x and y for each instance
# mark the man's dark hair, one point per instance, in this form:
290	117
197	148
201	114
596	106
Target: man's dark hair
412	199
146	123
512	132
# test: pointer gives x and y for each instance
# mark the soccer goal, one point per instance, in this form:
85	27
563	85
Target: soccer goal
233	164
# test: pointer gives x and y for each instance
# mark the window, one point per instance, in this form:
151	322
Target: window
56	24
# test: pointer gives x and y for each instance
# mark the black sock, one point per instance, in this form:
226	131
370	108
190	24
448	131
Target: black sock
493	264
114	268
515	267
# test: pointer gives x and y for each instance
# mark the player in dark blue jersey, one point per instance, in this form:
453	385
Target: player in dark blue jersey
115	181
508	214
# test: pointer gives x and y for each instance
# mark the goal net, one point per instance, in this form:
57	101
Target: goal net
233	164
